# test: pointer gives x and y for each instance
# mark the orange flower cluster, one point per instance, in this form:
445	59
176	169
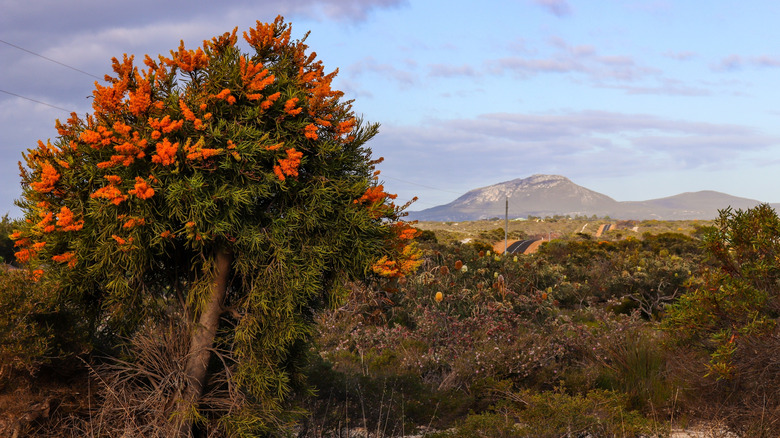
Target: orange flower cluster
232	148
269	36
288	166
27	251
198	152
127	152
187	60
46	224
110	192
346	126
375	194
225	95
167	234
134	222
289	107
139	100
36	275
311	131
49	177
255	78
67	128
66	220
102	136
264	105
68	257
122	241
164	126
185	110
141	189
108	100
323	122
166	152
227	39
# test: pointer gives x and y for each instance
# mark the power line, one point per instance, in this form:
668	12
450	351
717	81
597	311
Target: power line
52	60
36	101
421	185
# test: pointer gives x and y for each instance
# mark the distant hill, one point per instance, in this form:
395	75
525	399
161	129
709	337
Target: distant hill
550	195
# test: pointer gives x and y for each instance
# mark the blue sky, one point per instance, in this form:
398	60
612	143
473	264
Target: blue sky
635	99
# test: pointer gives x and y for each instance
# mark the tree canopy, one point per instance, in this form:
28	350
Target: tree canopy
229	192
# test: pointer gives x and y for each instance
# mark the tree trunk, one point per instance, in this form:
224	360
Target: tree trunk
202	341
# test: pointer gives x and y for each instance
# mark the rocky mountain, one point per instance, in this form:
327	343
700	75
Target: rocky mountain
550	195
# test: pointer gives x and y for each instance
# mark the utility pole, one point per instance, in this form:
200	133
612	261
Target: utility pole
506	226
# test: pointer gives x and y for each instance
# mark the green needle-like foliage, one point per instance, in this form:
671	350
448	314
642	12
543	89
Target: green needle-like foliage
230	191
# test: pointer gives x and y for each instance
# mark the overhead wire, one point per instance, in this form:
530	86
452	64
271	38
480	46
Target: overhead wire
36	101
52	60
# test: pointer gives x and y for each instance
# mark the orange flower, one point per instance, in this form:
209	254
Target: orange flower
140	99
141	189
25	254
311	131
289	107
65	220
255	78
90	137
374	194
346	127
188	114
223	94
265	35
49	177
188	60
166	152
167	234
122	129
45	224
36	275
288	166
121	240
110	192
68	257
113	179
164	125
133	222
270	101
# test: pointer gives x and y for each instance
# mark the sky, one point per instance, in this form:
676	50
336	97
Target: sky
635	99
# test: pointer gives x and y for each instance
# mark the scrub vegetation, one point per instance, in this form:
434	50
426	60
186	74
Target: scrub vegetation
211	254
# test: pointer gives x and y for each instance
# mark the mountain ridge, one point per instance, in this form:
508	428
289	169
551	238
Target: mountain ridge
550	195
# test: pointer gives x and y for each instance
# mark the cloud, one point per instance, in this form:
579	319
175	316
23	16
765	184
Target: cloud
449	71
735	62
681	56
371	65
464	153
559	8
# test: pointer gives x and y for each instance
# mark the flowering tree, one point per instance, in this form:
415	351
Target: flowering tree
231	191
